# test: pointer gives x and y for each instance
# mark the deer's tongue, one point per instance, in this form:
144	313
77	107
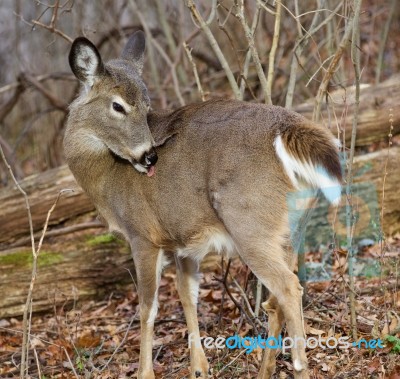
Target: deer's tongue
151	171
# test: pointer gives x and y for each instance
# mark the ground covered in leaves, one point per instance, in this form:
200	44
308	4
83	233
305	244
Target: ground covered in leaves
101	339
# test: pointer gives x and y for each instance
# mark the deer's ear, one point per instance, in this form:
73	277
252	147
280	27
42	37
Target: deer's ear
85	61
134	50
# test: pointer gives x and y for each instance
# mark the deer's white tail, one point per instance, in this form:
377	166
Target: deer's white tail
311	159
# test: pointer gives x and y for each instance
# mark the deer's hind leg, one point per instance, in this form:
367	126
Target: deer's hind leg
275	324
285	288
260	238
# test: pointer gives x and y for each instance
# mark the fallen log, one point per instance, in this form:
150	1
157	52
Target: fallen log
376	103
83	266
78	259
42	190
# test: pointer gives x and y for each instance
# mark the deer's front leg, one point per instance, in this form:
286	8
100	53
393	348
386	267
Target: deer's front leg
148	264
188	288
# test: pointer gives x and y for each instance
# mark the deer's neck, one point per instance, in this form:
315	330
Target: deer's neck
88	158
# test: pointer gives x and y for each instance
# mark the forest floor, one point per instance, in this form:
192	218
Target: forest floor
101	339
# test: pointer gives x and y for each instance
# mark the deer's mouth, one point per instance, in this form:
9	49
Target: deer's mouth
147	162
148	170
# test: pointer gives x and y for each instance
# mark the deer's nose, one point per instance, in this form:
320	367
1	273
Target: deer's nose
150	158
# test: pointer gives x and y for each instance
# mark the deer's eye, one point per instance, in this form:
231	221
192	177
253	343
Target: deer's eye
118	107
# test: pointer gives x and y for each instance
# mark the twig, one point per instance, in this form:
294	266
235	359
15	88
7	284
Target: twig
331	70
9	105
166	27
52	26
258	298
239	306
272	52
35	253
53	30
28	304
170	39
298	50
195	72
246	65
39	78
120	344
153	68
57	103
25	347
383	40
37	362
246	300
172	66
390	135
264	6
355	56
214	45
231	362
9	153
254	53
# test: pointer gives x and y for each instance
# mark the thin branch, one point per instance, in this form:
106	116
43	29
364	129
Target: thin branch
323	88
383	40
119	345
52	26
237	304
298	50
355	57
57	103
9	105
10	156
274	47
53	30
385	173
153	68
254	53
172	66
246	300
264	6
39	78
195	72
25	347
214	45
246	65
35	252
170	39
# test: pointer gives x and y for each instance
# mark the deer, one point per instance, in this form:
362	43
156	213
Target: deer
206	177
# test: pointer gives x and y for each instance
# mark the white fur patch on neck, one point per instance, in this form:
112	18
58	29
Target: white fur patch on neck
92	142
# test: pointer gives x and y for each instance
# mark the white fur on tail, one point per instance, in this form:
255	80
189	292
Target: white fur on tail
314	175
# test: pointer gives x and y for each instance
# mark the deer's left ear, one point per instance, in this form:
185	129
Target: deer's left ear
85	61
134	50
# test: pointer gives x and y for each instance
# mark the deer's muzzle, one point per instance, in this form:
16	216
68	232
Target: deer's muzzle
150	158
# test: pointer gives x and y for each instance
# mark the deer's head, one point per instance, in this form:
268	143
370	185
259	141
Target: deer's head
115	100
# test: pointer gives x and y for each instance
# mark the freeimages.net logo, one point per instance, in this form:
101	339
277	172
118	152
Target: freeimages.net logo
249	344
